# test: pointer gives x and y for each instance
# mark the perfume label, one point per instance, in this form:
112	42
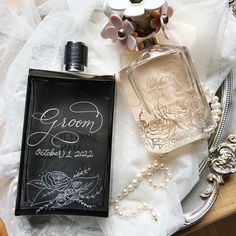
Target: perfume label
65	163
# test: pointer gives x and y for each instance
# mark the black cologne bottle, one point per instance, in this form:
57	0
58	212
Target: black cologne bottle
67	137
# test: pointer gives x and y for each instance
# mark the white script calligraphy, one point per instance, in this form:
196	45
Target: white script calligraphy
57	129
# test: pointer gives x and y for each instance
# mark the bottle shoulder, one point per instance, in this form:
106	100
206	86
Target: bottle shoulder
156	51
67	75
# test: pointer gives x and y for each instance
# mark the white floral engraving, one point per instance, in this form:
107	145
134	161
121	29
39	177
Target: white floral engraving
56	190
173	110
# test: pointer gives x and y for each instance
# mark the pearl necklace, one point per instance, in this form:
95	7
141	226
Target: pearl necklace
215	108
148	173
145	174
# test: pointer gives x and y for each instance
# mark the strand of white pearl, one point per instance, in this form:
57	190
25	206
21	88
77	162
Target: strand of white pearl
215	108
146	174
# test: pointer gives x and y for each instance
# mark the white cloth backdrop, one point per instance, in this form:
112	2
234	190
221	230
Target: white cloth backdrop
27	41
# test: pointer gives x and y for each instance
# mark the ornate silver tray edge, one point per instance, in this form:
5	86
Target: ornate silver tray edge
207	169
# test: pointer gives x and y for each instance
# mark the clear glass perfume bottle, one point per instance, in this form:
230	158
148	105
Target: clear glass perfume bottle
67	137
165	97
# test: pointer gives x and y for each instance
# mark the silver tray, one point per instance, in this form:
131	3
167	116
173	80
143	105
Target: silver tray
221	161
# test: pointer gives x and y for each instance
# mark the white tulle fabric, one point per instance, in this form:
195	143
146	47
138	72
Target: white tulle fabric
34	36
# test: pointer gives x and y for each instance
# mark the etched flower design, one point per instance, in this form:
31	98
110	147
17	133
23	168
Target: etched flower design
133	8
61	199
121	32
69	192
76	185
56	180
56	190
160	126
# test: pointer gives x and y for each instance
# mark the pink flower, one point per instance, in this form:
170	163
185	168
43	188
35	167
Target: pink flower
166	12
161	18
121	32
134	8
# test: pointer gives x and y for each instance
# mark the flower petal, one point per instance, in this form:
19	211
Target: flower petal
117	21
151	4
170	11
155	23
162	23
118	5
121	45
104	28
109	32
164	8
131	42
166	34
128	27
164	28
156	13
134	10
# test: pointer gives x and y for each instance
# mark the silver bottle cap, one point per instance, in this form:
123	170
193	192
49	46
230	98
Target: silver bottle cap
76	56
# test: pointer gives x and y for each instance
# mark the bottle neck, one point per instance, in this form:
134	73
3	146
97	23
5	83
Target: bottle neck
144	43
75	68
